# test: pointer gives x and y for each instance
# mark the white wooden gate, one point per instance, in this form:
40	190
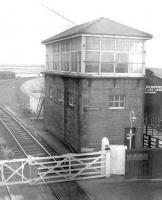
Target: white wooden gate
68	167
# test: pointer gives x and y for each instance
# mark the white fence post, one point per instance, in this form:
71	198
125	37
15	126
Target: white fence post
107	163
29	158
105	166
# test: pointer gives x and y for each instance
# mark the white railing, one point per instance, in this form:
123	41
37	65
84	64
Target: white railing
68	167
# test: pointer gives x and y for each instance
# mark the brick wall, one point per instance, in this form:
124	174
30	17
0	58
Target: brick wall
84	124
60	118
96	124
54	111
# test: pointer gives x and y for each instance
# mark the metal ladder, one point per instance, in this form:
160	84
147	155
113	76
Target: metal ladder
40	104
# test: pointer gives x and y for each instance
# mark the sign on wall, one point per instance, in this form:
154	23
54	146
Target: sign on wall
153	89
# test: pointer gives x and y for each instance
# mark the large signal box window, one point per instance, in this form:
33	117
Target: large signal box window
96	55
64	55
108	55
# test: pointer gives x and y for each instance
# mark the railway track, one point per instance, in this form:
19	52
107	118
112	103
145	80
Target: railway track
24	140
18	140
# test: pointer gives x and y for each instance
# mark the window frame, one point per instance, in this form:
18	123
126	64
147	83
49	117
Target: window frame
71	99
119	101
50	93
59	95
123	47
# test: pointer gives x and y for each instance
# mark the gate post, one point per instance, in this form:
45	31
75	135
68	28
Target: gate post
149	141
157	142
105	168
29	159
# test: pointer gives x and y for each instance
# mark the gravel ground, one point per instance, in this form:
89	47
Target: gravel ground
104	189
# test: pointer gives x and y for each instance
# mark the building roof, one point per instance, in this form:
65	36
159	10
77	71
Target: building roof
156	71
101	26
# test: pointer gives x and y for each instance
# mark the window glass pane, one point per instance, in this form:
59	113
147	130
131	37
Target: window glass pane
50	93
122	45
111	104
118	45
135	58
65	46
107	57
49	48
107	67
56	61
135	68
65	61
121	104
49	61
121	68
75	61
56	47
117	97
121	57
92	56
125	45
107	44
59	95
122	63
75	44
71	98
92	43
92	67
136	46
116	104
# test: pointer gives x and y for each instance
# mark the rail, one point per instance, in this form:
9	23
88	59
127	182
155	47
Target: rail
13	117
13	137
24	171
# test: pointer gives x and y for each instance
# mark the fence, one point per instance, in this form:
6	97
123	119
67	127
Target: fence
151	142
144	163
138	163
68	167
152	120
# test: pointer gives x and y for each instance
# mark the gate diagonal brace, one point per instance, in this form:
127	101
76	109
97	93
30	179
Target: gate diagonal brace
87	166
2	174
50	169
72	158
15	172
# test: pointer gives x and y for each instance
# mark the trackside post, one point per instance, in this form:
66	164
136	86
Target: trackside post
105	163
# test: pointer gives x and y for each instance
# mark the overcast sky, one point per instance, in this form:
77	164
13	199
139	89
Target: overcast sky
25	23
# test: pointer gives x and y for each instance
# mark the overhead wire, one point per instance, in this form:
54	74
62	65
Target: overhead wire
57	13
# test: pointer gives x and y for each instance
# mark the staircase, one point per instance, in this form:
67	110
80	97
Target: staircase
40	106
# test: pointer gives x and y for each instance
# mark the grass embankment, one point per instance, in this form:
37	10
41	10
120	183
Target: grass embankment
14	93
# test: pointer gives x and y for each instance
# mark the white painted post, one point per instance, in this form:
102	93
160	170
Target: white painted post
29	158
69	166
105	169
107	163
